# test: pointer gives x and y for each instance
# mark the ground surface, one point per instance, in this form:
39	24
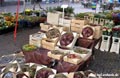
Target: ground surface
104	62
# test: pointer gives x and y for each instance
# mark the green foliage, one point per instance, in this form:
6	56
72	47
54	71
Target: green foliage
109	25
109	16
81	15
68	10
49	9
58	9
100	15
7	14
28	47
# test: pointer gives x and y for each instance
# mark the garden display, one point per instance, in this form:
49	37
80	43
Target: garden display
56	49
101	17
106	35
31	18
115	40
68	11
7	23
30	21
25	19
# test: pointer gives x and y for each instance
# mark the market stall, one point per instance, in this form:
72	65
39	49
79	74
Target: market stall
62	46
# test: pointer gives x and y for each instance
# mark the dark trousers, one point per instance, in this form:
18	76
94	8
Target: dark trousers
111	6
35	4
1	2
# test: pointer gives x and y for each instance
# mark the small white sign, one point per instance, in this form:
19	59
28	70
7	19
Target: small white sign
64	6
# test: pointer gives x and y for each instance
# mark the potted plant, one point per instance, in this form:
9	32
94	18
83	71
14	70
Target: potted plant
106	31
116	32
28	48
28	12
80	15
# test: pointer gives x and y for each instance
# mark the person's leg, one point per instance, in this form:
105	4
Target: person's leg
1	2
34	4
39	5
112	6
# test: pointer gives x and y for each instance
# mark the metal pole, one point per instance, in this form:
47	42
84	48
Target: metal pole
24	6
63	16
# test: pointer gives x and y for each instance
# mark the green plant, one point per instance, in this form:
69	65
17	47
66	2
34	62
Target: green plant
81	15
99	15
68	10
109	16
28	47
50	9
7	14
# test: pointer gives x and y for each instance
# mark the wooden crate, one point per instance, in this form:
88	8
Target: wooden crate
81	22
86	17
98	32
44	27
96	21
53	18
64	22
75	29
102	21
35	39
91	20
48	43
72	60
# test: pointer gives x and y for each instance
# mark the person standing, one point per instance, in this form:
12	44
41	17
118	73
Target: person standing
85	3
111	4
1	2
36	2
